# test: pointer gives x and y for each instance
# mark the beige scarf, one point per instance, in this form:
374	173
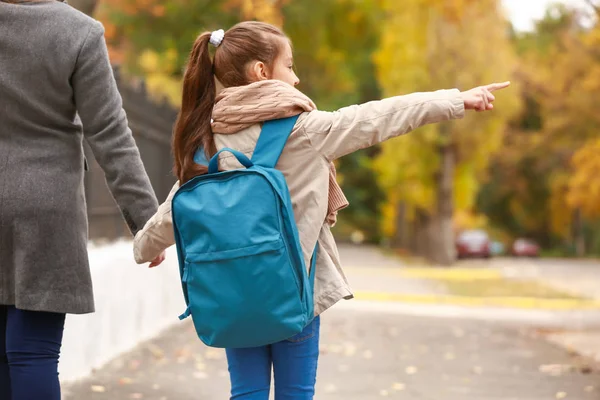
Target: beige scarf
237	108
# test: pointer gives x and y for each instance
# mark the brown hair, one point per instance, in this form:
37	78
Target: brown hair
242	44
28	1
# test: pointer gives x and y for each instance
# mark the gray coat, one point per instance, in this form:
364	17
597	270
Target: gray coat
53	66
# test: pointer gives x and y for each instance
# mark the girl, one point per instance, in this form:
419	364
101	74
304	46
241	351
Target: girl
253	69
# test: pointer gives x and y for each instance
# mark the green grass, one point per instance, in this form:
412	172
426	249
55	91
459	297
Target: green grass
504	288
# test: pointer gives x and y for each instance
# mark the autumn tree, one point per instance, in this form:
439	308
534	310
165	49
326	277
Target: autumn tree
428	45
530	190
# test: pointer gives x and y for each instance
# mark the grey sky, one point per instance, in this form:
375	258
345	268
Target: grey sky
523	13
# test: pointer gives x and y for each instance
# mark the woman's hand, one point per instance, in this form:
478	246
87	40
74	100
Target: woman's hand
481	98
158	260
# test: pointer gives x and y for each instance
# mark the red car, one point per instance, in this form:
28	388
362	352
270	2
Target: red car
525	248
473	243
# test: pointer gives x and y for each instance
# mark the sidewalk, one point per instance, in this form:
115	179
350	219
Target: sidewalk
404	336
366	356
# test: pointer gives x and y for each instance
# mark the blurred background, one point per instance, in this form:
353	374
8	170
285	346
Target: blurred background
523	177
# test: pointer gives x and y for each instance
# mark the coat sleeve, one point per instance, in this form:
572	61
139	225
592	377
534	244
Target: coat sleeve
106	130
157	234
335	134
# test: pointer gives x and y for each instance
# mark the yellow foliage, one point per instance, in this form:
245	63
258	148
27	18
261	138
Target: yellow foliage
469	220
437	44
584	184
160	80
560	212
262	10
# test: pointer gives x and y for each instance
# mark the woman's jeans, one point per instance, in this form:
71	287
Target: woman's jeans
294	364
30	344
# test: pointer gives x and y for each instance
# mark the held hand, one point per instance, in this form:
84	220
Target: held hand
158	260
481	98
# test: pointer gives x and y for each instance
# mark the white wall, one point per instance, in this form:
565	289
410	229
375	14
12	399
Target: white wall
133	303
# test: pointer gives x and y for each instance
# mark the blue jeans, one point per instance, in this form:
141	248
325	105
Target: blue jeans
30	344
294	364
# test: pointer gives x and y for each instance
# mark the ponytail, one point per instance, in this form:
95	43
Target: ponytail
192	128
246	42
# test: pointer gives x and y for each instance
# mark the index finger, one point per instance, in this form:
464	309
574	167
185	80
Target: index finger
497	86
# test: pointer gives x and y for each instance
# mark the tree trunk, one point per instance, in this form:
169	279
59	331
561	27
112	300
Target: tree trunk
400	240
579	234
443	250
85	6
422	234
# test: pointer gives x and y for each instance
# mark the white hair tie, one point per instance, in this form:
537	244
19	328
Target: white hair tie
217	37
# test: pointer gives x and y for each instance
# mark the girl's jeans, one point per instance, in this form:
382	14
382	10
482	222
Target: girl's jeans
30	344
294	364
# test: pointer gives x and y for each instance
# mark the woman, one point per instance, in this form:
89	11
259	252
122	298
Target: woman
56	89
254	63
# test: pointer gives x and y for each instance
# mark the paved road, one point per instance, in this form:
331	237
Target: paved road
370	351
577	276
367	356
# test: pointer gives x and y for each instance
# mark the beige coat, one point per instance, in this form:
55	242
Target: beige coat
317	139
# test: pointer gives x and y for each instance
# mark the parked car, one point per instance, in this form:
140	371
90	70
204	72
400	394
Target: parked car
525	248
473	243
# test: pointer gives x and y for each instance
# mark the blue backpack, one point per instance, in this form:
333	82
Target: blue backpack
242	269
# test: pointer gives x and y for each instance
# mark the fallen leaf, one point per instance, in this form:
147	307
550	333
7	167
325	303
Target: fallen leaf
125	381
201	366
98	389
156	351
335	349
398	387
134	364
200	375
213	354
411	370
561	395
384	393
586	369
349	349
330	388
555	369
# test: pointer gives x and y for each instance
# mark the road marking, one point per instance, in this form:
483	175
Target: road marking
458	274
507	302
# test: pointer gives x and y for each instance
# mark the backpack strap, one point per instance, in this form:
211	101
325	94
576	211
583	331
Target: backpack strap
272	140
200	157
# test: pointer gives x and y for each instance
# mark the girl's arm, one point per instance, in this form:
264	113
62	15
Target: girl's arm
338	133
157	235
